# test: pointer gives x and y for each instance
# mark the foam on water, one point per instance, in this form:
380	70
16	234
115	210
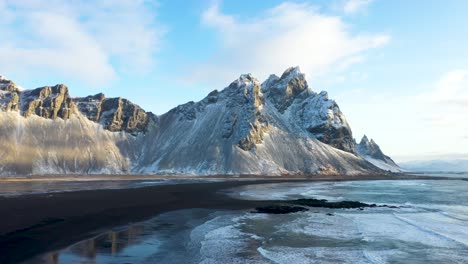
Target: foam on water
288	255
430	226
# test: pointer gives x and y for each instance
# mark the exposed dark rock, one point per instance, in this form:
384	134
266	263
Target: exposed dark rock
229	124
368	149
316	113
338	137
115	114
8	85
283	91
48	102
213	97
186	111
326	204
279	209
10	101
323	118
90	106
246	92
292	206
118	114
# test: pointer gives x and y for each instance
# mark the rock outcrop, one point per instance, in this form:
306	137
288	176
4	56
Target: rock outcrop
370	151
316	113
115	114
47	102
9	95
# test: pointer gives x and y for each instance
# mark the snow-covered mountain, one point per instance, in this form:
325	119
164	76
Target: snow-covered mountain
370	151
276	127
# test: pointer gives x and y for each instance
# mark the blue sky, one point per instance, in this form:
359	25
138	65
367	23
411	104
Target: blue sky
398	69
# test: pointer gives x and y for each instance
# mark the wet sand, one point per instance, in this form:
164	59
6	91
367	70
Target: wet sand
38	223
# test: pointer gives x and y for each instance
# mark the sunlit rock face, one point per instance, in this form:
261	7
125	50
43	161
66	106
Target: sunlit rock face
47	102
35	145
276	127
115	114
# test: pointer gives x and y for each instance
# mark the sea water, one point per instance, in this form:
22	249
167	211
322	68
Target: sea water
430	225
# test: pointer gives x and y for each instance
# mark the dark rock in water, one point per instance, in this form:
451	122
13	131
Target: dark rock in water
389	206
279	209
326	204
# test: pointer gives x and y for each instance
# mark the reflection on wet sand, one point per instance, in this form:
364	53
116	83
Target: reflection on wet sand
109	244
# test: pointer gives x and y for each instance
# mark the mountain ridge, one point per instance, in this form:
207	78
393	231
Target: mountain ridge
276	127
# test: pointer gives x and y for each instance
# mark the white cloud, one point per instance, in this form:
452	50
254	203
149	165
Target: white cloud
90	41
408	124
353	6
287	35
450	90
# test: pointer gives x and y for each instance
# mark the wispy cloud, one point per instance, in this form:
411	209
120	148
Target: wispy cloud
286	35
87	40
353	6
450	90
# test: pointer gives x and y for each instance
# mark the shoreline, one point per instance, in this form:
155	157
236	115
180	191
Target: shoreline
35	224
136	177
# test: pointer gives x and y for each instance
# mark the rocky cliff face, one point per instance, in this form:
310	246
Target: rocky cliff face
276	127
370	151
9	95
47	102
316	113
115	114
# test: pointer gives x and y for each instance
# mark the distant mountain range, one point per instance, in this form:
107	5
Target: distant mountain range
455	165
278	127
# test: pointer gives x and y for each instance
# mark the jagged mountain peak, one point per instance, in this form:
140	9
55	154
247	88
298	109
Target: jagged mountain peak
364	140
273	78
245	81
369	150
292	72
370	147
115	114
8	85
284	90
277	127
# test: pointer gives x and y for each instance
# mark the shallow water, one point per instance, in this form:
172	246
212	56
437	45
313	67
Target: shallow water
17	188
430	227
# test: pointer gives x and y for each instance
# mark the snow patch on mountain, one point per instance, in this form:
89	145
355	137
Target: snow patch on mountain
272	128
370	151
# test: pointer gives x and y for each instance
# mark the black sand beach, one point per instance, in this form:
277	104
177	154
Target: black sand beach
34	224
